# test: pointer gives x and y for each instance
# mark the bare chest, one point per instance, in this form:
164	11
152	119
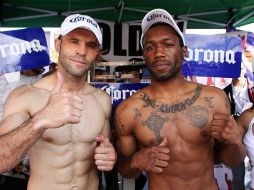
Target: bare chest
191	125
91	125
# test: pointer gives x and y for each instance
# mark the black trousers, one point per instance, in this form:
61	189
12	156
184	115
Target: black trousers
238	177
12	183
111	179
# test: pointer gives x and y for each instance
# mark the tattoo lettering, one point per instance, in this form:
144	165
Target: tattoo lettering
137	114
198	116
148	101
209	101
174	108
155	123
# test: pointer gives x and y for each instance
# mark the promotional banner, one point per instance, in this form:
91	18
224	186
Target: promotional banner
250	41
119	91
248	56
213	56
22	50
208	55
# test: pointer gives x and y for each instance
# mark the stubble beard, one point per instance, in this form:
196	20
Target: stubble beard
170	75
66	63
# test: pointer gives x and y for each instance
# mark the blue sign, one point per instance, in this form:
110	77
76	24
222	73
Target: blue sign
119	91
213	56
23	49
250	39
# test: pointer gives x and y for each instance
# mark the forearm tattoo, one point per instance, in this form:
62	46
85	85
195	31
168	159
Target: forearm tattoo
198	116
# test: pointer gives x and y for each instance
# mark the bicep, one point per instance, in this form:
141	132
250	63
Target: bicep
244	120
13	121
222	104
14	113
126	143
105	102
106	129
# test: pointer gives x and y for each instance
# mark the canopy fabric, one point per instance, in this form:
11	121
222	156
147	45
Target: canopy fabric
193	13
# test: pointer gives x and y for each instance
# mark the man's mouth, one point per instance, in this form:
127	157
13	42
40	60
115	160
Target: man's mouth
160	64
80	61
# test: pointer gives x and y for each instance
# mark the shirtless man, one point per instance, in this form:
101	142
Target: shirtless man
170	129
66	120
246	121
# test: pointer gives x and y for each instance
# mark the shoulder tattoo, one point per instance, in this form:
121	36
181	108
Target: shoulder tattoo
137	114
209	101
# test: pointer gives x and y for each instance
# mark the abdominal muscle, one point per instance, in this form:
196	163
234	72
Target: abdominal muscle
62	165
193	175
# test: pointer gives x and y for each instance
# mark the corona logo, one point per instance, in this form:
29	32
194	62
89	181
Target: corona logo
117	94
217	56
81	18
20	48
154	16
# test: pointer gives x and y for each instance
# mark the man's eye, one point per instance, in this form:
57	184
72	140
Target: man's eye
149	48
74	41
93	46
168	44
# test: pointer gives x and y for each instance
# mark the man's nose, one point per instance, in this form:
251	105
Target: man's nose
159	50
82	49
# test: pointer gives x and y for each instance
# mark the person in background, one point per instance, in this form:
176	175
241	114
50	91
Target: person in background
174	130
18	177
229	182
52	69
246	121
61	120
240	97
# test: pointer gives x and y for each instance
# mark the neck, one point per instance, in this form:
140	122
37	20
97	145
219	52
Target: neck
160	87
72	83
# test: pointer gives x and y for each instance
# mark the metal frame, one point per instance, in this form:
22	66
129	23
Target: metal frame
120	7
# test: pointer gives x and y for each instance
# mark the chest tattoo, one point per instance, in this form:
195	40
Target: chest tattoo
174	108
198	116
155	123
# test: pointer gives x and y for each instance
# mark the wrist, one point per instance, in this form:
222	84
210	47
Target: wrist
38	123
132	162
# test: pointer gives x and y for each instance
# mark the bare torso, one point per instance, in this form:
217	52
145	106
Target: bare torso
187	128
63	158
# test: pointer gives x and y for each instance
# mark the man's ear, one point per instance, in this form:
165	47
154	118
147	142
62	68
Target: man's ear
57	44
97	59
99	52
185	51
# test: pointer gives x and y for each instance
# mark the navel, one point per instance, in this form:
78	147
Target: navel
74	187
